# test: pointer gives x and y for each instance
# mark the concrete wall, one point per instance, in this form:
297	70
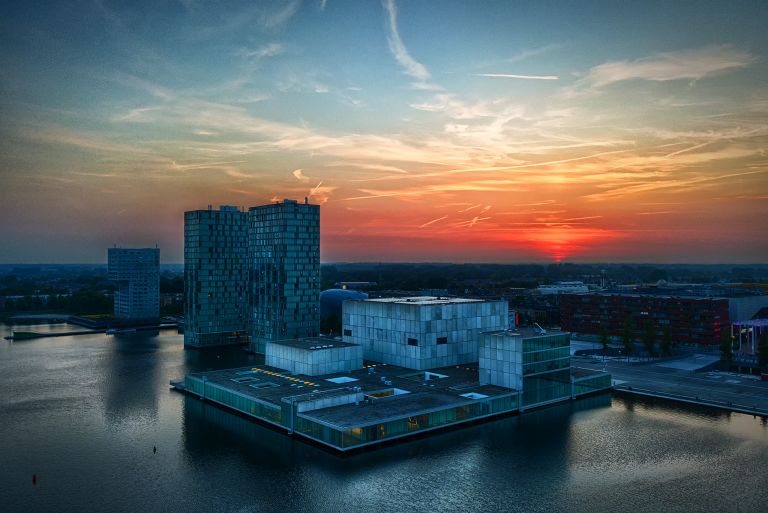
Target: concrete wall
314	362
501	360
383	330
327	400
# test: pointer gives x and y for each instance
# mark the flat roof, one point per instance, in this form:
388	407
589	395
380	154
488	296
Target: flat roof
313	343
423	395
427	300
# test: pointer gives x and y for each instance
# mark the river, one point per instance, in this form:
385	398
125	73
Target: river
83	413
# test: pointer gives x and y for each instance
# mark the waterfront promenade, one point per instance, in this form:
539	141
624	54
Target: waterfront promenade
682	380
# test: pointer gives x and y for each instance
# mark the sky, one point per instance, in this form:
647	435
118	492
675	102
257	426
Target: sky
450	131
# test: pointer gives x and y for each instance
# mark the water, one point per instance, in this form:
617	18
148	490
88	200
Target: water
84	413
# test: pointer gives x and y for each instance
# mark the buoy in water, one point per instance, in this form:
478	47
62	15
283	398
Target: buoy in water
34	478
154	449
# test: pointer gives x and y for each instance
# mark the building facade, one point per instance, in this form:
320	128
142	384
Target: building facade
421	332
136	271
314	356
284	272
215	277
688	319
536	363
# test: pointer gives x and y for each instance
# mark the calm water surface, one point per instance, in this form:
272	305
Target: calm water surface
84	413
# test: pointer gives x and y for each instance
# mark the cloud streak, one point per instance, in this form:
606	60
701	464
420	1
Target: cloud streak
521	77
693	64
410	65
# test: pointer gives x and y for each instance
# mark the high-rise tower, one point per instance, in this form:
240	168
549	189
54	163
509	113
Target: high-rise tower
215	277
137	274
284	266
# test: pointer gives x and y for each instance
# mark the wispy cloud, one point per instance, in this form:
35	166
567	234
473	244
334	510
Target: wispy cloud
691	64
299	175
521	77
433	221
321	193
527	54
410	65
270	50
276	19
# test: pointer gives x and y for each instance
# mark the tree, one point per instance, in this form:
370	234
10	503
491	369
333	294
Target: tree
666	342
649	337
762	351
604	338
726	346
628	337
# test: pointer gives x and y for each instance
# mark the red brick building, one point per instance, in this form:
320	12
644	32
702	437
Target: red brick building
691	320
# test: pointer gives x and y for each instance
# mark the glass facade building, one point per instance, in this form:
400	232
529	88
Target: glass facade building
136	271
345	438
363	408
546	369
215	277
284	267
591	383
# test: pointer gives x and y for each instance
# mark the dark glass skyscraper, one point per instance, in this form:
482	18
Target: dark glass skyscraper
284	267
215	277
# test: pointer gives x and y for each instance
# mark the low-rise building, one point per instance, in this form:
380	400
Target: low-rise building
422	332
534	361
314	356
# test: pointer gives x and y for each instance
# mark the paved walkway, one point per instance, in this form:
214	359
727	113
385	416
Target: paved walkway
736	392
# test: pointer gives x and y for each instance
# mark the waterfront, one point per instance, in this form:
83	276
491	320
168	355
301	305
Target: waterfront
84	413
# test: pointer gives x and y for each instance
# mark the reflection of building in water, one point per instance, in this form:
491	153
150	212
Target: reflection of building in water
209	429
133	372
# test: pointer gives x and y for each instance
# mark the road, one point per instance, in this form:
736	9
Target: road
677	380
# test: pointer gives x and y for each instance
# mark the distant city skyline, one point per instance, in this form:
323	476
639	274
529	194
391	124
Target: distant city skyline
441	132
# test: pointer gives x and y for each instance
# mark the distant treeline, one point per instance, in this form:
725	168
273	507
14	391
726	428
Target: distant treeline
431	276
80	302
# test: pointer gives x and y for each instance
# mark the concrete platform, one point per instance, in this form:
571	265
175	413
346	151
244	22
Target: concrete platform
726	391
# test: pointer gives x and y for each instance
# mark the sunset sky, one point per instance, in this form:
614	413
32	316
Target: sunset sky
429	131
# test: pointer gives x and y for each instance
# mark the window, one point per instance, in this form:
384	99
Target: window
442	340
347	333
413	342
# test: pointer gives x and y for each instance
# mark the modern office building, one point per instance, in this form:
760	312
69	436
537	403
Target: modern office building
380	403
284	268
689	319
536	362
136	271
422	332
215	277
